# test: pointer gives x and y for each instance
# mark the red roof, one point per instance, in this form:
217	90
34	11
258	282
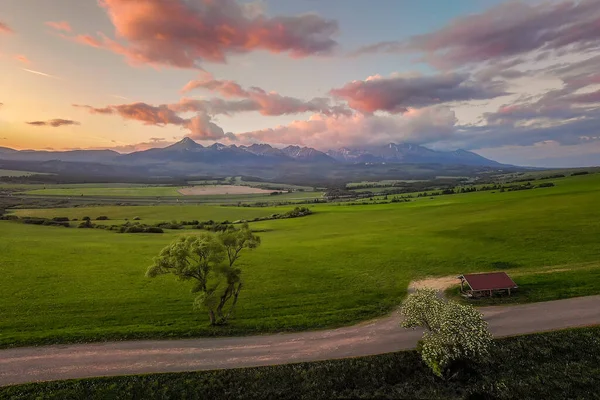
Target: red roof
490	281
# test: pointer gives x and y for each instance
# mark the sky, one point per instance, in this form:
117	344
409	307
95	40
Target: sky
515	81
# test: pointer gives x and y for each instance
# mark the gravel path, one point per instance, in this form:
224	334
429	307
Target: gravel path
32	364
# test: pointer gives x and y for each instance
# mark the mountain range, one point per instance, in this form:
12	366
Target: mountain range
187	151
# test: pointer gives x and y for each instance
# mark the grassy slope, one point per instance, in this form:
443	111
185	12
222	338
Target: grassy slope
340	265
555	365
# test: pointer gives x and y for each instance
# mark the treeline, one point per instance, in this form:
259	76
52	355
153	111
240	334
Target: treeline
136	226
274	203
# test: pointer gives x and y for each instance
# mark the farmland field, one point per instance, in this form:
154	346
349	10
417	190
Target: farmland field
154	191
340	265
206	192
13	173
221	189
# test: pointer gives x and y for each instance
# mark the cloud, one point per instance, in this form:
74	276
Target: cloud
200	126
93	110
397	94
419	126
55	123
22	58
255	99
182	34
225	88
507	30
60	26
130	148
5	28
40	73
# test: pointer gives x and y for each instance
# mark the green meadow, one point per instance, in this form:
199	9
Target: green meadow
338	266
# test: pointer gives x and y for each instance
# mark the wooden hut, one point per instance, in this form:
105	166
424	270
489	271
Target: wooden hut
486	284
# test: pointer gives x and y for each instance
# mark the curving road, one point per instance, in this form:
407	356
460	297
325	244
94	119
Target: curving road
384	335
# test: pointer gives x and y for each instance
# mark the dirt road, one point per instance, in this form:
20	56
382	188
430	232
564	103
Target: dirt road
384	335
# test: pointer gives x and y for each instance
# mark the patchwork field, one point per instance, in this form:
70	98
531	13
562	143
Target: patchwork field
221	189
212	193
340	265
135	191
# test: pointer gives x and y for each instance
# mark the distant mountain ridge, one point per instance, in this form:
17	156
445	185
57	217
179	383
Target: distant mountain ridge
188	151
406	153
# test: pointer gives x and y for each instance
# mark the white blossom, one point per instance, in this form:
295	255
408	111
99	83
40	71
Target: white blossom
453	331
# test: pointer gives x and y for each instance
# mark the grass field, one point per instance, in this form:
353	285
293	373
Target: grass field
556	282
556	365
13	173
154	191
156	213
341	265
208	192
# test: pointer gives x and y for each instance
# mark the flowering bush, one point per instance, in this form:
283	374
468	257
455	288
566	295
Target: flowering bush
454	332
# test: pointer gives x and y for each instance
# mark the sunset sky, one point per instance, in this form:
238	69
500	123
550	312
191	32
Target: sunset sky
516	81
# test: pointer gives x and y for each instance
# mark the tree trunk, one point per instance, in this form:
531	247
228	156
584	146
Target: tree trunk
211	315
236	293
224	298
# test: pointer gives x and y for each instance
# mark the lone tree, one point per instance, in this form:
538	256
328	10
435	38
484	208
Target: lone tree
209	260
455	334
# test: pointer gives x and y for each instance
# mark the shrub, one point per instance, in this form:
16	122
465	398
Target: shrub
140	229
546	184
137	219
134	229
102	218
298	212
60	219
169	225
34	221
86	224
580	173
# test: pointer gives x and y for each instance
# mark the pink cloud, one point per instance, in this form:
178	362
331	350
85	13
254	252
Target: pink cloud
92	110
22	58
5	28
178	34
325	132
399	93
255	99
60	26
200	126
224	88
55	123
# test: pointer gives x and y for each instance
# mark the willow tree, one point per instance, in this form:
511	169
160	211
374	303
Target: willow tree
210	261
